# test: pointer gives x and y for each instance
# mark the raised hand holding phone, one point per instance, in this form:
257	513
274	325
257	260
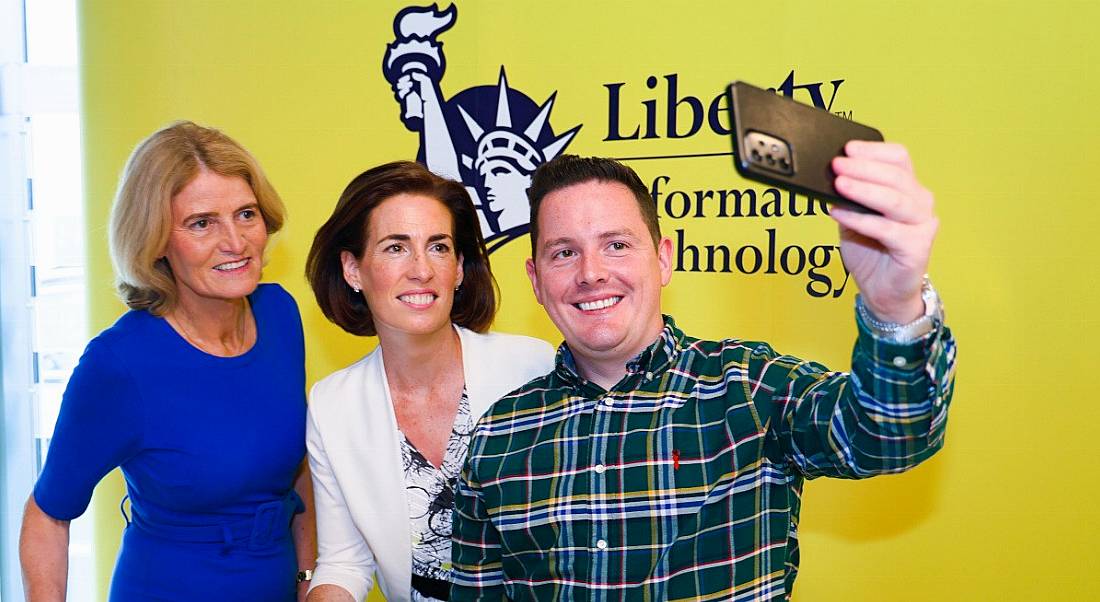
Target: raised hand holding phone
886	217
888	253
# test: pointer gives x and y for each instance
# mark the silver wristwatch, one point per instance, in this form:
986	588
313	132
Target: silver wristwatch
906	333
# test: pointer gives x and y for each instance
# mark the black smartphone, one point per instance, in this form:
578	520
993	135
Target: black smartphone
784	143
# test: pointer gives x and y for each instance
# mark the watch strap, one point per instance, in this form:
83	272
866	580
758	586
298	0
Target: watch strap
905	333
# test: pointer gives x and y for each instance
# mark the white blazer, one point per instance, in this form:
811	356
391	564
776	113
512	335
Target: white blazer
355	456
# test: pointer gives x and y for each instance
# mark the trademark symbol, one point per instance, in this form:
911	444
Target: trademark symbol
844	114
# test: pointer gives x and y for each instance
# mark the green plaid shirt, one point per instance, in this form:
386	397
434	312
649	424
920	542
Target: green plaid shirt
684	481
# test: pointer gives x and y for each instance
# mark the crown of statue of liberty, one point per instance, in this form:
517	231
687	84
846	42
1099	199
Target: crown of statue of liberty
492	138
503	146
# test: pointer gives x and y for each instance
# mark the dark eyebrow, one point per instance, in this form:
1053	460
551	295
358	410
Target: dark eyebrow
407	238
557	242
400	237
565	240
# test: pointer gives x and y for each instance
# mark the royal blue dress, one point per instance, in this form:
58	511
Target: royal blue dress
208	445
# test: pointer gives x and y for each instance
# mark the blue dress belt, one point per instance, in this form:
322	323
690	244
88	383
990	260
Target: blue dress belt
269	524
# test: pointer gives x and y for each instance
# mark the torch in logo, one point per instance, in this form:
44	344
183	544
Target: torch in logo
491	138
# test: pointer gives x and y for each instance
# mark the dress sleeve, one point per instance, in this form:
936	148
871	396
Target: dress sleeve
343	557
885	416
98	428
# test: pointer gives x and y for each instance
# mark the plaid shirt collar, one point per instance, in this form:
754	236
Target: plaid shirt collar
653	360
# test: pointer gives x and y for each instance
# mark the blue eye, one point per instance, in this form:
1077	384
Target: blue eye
200	224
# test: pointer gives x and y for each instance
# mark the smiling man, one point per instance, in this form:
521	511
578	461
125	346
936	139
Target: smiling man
651	465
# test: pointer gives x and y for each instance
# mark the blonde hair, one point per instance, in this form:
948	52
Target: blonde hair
141	216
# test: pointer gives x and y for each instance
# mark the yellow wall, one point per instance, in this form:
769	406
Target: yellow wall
996	101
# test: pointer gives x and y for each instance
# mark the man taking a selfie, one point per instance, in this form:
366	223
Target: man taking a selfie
653	465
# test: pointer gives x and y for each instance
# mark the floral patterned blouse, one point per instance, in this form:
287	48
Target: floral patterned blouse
430	492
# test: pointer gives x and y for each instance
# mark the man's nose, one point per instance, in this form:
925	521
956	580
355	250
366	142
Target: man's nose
592	269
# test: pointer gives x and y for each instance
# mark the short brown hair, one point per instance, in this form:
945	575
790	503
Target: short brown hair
141	216
475	304
567	170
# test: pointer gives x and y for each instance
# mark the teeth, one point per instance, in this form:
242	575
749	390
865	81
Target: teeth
225	267
418	299
602	303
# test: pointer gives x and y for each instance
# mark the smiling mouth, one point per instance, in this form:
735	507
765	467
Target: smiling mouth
228	267
598	304
418	298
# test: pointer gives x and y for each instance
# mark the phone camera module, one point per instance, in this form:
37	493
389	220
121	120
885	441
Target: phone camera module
769	153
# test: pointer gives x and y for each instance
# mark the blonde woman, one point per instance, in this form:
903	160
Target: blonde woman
197	392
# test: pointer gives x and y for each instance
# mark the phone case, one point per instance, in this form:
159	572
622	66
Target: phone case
788	144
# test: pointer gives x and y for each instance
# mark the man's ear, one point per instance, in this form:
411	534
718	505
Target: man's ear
664	259
533	274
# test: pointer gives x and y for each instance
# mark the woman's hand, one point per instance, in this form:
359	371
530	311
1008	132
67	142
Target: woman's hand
303	527
330	593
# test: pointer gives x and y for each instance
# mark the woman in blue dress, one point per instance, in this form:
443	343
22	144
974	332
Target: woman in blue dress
197	393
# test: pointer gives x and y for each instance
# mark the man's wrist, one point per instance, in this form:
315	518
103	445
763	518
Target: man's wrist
304	576
894	332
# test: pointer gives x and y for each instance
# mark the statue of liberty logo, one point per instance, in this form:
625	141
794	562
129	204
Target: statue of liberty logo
491	138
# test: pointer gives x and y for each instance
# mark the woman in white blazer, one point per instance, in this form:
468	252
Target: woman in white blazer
402	257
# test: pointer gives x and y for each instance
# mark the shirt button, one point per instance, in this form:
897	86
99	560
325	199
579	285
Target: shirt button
601	544
899	361
608	402
649	376
599	468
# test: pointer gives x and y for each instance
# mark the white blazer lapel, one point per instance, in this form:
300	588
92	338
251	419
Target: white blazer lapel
473	371
383	480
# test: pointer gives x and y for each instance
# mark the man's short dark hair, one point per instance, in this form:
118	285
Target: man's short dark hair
567	170
346	230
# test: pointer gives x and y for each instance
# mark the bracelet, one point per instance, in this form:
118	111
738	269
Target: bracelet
905	333
305	575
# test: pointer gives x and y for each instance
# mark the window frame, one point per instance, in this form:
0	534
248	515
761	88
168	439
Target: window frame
28	90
